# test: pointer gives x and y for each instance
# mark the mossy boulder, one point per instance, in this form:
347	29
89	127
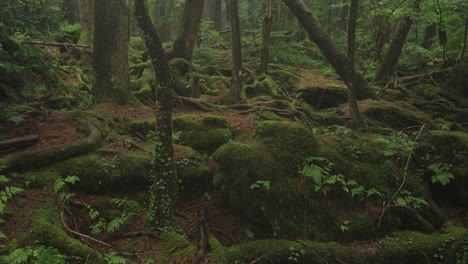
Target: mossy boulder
396	115
449	152
138	125
285	79
204	133
192	170
258	174
324	97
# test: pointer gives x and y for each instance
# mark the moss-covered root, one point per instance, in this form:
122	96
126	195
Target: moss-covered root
46	228
29	159
402	247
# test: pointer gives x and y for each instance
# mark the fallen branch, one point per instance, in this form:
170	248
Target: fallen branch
426	226
19	141
55	44
194	102
203	243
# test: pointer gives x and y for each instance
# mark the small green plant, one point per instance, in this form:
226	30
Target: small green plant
129	210
259	183
16	118
344	227
407	199
39	255
113	258
5	195
462	253
396	145
324	180
59	184
442	251
295	253
441	173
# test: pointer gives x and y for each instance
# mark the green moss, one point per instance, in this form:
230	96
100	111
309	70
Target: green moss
171	240
263	87
180	67
204	133
403	247
285	79
139	125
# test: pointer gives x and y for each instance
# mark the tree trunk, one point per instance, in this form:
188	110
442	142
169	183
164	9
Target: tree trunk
110	56
70	10
337	59
429	33
352	102
390	61
264	53
217	15
163	189
236	80
342	24
87	17
188	30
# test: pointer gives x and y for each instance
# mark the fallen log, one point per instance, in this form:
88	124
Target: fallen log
19	142
55	44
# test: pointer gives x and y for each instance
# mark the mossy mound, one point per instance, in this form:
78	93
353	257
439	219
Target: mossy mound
138	125
396	115
263	86
401	247
287	80
258	174
192	170
204	133
324	97
449	152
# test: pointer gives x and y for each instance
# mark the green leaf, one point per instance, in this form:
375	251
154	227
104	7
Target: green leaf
401	201
58	185
72	179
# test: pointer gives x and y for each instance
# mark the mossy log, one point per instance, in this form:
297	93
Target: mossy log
38	158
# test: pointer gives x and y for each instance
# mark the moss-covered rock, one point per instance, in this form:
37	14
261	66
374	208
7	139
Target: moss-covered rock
193	171
324	97
258	175
139	125
204	133
401	247
395	115
448	150
287	80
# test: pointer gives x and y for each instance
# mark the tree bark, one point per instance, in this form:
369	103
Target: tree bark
429	33
264	53
337	59
352	101
87	21
217	15
110	56
236	80
163	189
188	30
390	61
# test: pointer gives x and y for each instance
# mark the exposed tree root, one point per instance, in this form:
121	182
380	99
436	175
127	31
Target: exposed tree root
203	243
19	142
194	102
37	158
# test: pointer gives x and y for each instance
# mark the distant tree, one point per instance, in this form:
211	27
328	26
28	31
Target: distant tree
352	102
188	30
70	10
391	57
110	56
163	188
429	33
267	26
328	47
236	80
163	17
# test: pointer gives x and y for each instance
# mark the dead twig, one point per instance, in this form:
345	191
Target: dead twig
62	218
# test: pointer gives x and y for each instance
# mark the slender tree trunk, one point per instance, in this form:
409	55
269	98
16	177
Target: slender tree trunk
70	10
87	17
163	189
390	61
217	15
352	102
429	33
264	54
342	24
337	59
110	56
188	30
236	81
163	18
